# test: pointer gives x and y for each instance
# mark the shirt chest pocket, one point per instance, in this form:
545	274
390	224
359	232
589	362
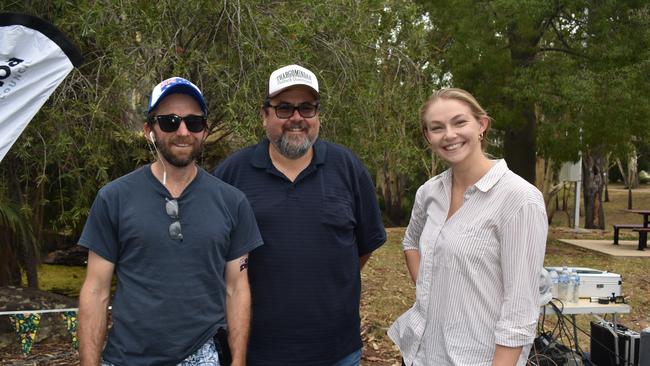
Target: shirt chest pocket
337	216
472	248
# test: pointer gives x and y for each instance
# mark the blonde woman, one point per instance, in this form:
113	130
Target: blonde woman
474	247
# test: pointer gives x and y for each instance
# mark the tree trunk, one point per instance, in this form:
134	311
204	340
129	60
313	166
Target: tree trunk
9	270
630	175
30	264
520	139
626	181
389	185
593	182
632	170
565	196
32	249
519	145
629	197
546	184
607	166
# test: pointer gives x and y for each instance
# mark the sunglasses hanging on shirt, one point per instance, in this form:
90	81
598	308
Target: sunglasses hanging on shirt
171	207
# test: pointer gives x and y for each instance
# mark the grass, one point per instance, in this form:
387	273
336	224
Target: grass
64	280
615	209
388	290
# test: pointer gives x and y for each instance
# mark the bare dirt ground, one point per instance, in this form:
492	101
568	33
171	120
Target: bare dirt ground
43	354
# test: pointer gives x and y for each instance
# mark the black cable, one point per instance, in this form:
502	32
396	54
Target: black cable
554	338
536	354
551	337
572	346
564	331
558	311
620	357
559	326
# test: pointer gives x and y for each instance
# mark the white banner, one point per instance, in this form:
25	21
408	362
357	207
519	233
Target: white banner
35	57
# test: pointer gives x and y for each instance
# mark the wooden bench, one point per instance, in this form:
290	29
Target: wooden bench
643	236
618	227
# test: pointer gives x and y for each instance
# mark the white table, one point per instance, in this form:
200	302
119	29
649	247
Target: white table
584	306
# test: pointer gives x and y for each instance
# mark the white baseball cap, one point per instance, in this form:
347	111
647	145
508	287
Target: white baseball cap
289	76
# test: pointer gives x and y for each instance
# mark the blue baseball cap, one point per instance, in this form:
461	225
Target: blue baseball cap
176	85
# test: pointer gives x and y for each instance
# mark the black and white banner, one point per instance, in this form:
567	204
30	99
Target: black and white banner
35	57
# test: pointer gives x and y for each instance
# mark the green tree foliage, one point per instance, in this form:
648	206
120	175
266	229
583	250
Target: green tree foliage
369	56
595	103
551	72
536	63
73	146
561	78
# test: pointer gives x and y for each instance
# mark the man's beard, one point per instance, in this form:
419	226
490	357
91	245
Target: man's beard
290	149
177	161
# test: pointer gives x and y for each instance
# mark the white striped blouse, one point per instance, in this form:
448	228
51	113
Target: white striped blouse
477	284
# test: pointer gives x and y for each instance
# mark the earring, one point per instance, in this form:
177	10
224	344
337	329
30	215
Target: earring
480	136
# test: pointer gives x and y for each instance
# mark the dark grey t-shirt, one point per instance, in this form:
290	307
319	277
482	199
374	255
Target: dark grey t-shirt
170	296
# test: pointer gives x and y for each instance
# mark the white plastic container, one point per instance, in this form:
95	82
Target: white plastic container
595	282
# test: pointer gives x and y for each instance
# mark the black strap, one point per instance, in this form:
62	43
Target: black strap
223	349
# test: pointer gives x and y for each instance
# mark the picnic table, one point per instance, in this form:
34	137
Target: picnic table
644	229
619	227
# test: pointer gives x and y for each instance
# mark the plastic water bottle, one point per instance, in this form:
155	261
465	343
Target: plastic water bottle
570	286
563	285
576	286
554	283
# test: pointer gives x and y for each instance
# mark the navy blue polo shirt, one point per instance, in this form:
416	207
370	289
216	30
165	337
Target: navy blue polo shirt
305	279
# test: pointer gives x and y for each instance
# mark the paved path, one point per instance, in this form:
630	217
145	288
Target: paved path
626	248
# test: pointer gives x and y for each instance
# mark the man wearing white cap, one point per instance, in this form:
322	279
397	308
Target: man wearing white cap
178	240
317	211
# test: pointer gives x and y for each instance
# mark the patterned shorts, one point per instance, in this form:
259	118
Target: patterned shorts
204	356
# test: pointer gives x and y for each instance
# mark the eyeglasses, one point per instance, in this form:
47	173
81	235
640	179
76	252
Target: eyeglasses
285	110
175	227
171	122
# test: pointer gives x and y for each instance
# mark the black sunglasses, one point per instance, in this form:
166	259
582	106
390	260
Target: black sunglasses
171	122
171	206
285	110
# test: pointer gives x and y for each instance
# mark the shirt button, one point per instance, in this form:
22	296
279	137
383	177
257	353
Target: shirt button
466	196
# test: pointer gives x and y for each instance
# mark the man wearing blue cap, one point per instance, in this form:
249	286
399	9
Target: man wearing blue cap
318	214
178	240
